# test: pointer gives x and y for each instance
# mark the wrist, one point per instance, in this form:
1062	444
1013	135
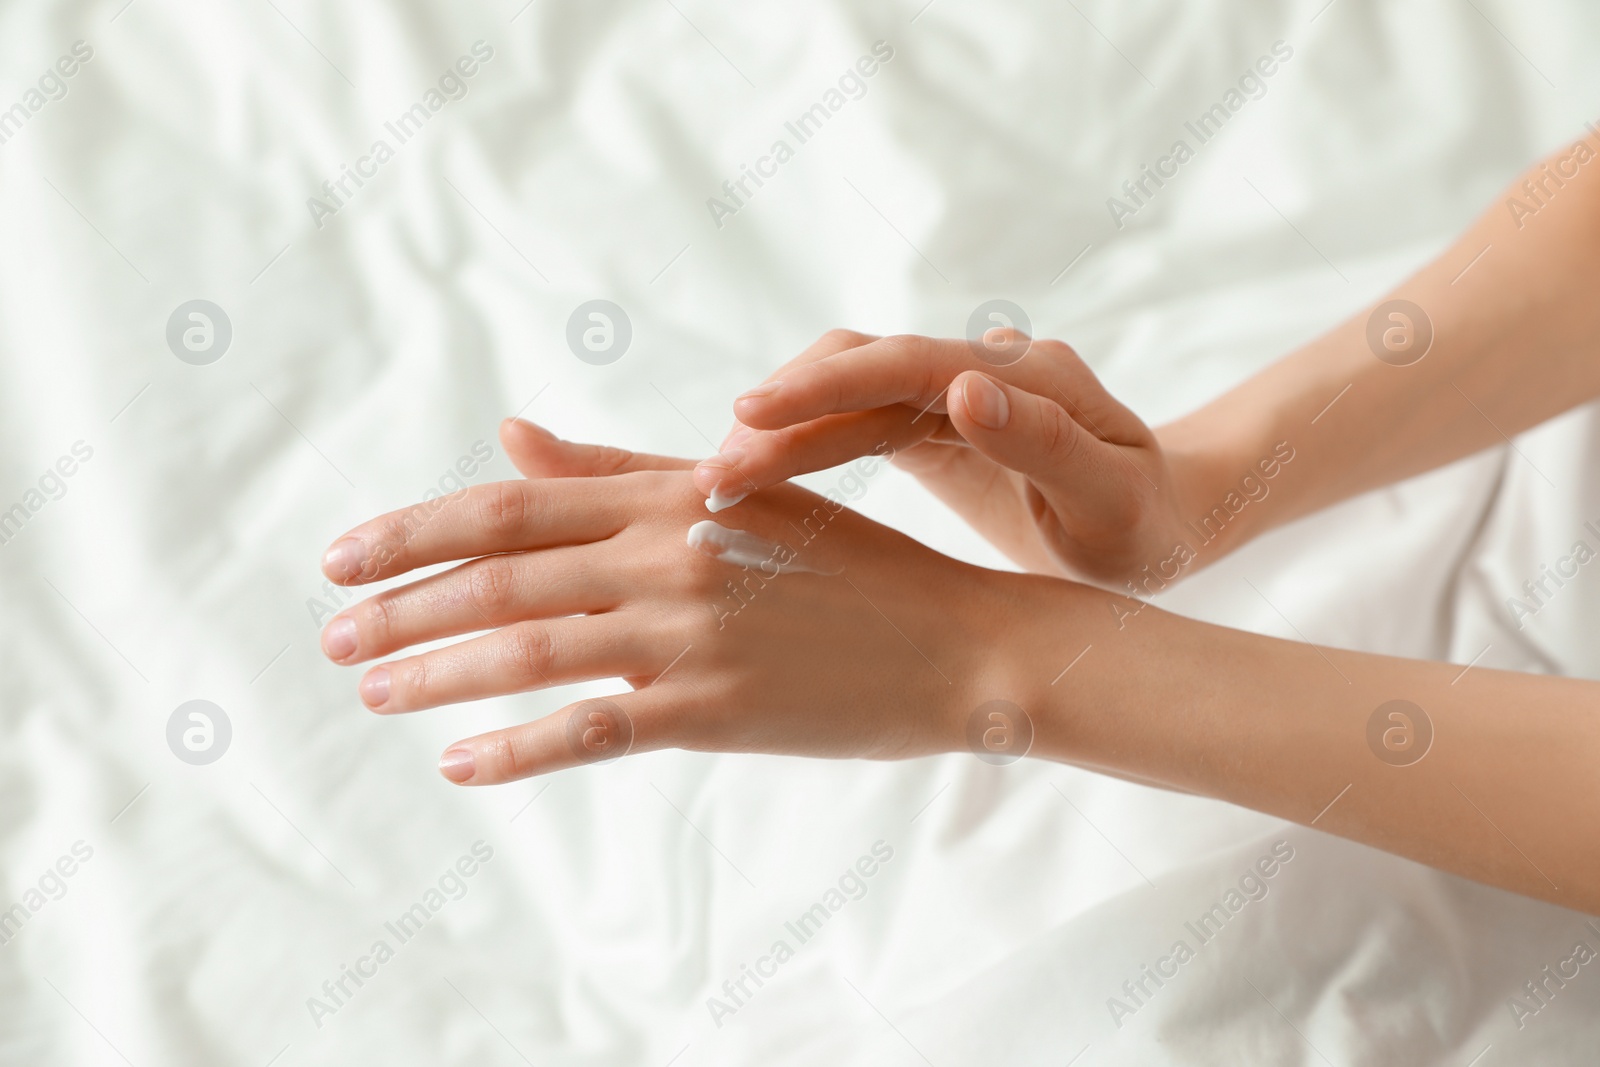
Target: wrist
1096	671
1037	655
1227	477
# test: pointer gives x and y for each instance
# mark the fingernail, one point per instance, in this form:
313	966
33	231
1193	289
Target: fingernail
343	561
339	639
720	470
456	765
986	403
721	499
375	688
765	389
736	436
727	459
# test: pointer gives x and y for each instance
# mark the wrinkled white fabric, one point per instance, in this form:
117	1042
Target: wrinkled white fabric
374	349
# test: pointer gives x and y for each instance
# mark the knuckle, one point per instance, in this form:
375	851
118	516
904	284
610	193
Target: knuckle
707	577
841	338
417	678
379	619
503	509
915	360
904	345
499	759
778	448
1077	379
516	758
491	581
1056	351
397	532
385	547
1056	434
610	459
698	579
529	651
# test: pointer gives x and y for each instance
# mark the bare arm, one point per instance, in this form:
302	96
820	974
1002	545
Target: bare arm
1491	777
1515	340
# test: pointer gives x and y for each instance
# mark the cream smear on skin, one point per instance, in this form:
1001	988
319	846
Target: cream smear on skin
718	500
742	548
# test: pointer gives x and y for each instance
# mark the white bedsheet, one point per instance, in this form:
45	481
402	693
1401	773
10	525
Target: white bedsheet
372	352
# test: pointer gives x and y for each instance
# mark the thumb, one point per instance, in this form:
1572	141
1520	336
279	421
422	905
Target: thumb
538	453
1035	437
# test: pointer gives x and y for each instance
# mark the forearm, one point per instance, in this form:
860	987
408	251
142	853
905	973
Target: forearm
1516	340
1506	793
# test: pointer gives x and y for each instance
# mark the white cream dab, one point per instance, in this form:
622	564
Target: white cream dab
718	500
744	549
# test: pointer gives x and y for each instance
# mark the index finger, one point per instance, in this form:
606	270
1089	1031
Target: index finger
478	521
829	344
909	370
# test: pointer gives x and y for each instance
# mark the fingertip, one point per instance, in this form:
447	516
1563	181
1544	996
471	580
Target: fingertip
339	639
528	445
721	495
955	401
344	559
508	430
723	480
458	764
374	688
516	428
721	486
983	401
754	413
509	755
760	408
706	478
722	499
762	391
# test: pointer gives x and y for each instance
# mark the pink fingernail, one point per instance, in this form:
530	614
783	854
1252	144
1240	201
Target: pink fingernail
765	389
727	459
343	561
738	435
375	688
457	764
339	639
707	478
985	402
728	484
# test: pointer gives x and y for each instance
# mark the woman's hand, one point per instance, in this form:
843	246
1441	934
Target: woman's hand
582	572
590	576
1034	454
